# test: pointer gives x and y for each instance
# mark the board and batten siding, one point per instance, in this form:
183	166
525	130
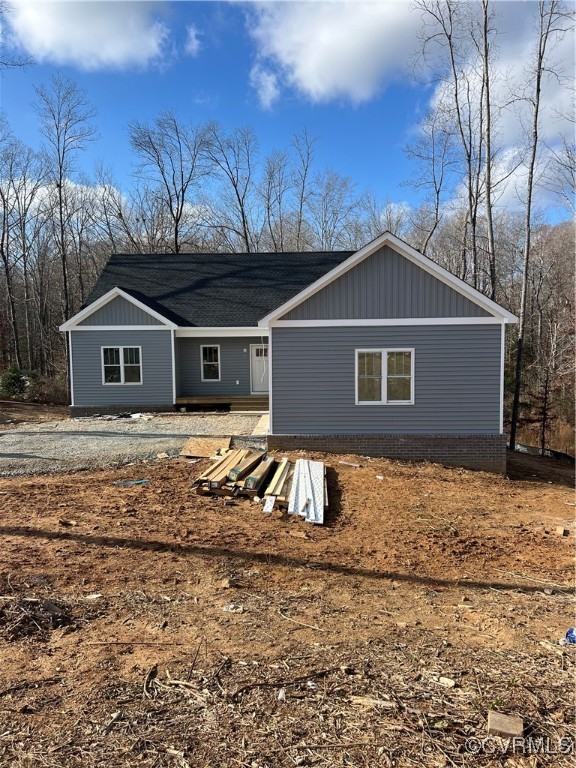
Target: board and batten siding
234	365
385	285
156	387
456	380
118	311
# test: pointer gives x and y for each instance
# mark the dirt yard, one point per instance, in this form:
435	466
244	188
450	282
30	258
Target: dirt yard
12	413
147	626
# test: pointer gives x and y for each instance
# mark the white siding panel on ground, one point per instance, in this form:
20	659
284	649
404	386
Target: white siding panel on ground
156	387
456	380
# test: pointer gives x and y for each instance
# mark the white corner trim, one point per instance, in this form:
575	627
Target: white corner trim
387	238
394	322
502	356
218	331
71	362
105	299
270	428
173	344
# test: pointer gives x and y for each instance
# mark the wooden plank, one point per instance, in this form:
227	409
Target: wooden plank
278	479
258	475
219	474
222	475
244	466
205	447
214	467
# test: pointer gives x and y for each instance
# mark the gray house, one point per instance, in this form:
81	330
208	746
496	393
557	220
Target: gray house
378	352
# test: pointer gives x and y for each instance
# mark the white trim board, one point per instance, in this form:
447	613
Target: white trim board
502	360
260	391
122	328
113	293
387	238
173	354
219	331
71	361
386	322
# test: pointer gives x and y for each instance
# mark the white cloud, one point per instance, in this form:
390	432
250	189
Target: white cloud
192	46
332	50
265	83
91	35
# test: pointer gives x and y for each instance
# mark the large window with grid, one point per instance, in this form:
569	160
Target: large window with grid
384	377
122	365
210	362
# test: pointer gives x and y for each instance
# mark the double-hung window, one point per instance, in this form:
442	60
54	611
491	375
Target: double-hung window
210	362
121	365
384	377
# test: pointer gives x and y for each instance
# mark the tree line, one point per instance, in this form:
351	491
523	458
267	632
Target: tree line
200	188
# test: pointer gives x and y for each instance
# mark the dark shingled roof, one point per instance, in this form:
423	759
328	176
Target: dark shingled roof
214	289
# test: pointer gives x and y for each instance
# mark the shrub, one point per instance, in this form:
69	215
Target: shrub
43	389
13	382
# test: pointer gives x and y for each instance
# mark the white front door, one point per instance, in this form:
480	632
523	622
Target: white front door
259	367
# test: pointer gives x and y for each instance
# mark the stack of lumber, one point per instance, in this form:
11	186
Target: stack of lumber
240	472
308	496
298	487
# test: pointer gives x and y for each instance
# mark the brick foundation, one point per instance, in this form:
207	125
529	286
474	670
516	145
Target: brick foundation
481	452
81	410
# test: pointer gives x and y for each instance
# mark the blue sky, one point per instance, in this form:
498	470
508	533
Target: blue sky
341	70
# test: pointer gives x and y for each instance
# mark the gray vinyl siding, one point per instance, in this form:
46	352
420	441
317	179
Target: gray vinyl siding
456	380
385	285
234	366
156	387
118	311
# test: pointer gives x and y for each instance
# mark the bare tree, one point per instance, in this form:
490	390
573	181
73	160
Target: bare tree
233	158
433	152
9	60
552	24
171	156
66	124
9	256
275	190
331	210
304	147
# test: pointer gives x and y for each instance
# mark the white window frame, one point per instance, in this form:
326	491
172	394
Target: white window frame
384	388
122	383
210	346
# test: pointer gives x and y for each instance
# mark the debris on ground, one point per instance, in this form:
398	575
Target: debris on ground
507	726
300	487
131	482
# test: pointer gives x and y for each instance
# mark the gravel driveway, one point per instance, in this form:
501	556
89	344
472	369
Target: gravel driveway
59	446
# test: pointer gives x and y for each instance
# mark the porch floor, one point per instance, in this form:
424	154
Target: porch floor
236	402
